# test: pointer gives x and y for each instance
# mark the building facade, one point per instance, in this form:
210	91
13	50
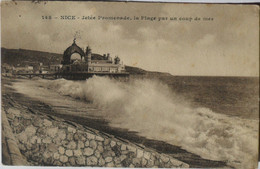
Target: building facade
90	62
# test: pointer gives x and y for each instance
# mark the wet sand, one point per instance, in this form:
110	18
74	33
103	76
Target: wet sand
193	160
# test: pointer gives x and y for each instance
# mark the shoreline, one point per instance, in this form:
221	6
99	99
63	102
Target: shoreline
193	160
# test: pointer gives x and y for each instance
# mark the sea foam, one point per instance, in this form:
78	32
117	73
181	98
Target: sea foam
152	109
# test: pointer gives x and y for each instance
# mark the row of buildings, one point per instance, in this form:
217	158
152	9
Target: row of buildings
30	68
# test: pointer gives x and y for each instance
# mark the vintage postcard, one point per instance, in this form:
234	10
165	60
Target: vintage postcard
127	84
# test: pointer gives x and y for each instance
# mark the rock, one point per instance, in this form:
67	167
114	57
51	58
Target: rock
150	163
86	143
30	131
131	166
140	153
97	154
52	131
66	164
88	151
72	161
123	147
16	122
72	130
100	149
70	136
46	155
119	165
99	138
56	156
93	144
156	162
37	122
168	165
76	137
14	112
39	140
136	162
57	163
81	135
106	142
35	148
22	137
61	134
122	157
80	160
47	140
111	164
165	159
72	145
65	143
27	122
49	161
125	152
69	153
63	159
108	159
116	150
10	116
20	128
41	131
90	136
22	147
47	122
147	155
184	165
101	162
52	147
117	160
36	158
176	162
80	144
92	161
107	153
77	152
131	148
153	156
61	150
28	146
113	143
42	147
144	162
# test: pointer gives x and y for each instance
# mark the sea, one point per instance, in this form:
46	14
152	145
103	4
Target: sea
216	118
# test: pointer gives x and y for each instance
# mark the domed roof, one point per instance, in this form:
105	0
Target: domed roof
74	48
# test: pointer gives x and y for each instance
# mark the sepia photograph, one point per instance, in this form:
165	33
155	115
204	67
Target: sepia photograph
129	84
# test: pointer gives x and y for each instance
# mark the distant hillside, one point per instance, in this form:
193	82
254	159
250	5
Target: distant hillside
24	56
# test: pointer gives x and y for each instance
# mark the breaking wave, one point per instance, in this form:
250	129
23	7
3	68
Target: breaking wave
153	110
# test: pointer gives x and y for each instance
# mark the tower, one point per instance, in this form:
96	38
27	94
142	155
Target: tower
117	60
88	54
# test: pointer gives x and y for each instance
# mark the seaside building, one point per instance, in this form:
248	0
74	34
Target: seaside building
89	62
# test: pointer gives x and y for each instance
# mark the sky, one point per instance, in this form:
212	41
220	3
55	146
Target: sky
228	45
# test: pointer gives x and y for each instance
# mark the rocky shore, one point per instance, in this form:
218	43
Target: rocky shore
45	136
34	138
